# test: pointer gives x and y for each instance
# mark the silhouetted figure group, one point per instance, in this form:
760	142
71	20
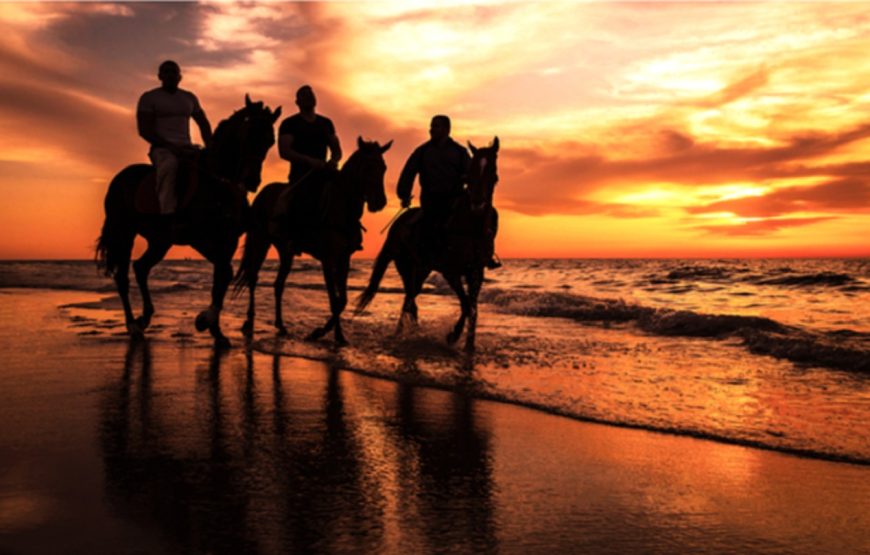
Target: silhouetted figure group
317	211
304	140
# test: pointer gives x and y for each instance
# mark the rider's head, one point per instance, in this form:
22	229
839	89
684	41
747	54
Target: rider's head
305	99
439	129
169	74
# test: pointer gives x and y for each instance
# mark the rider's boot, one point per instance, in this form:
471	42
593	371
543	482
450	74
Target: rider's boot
494	262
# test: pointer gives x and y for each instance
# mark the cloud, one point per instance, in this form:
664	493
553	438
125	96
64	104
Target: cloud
761	227
849	195
621	111
738	89
570	171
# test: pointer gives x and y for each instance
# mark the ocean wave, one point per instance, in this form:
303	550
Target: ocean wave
703	273
840	349
455	374
831	279
784	276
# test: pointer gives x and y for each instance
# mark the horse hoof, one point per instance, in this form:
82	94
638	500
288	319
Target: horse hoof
248	328
143	322
469	346
341	342
207	318
201	321
221	342
282	331
135	329
452	338
315	335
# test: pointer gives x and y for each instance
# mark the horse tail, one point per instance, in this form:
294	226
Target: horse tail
253	254
382	262
116	238
104	256
257	240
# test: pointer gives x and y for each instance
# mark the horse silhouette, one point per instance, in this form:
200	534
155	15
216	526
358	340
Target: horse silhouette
331	238
211	222
467	249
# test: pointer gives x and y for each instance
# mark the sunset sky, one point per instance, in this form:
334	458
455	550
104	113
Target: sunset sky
627	130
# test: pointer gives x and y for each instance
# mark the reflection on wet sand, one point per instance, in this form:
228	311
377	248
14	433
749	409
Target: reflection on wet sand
445	471
251	453
286	472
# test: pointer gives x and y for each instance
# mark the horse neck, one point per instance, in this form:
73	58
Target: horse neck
348	187
220	158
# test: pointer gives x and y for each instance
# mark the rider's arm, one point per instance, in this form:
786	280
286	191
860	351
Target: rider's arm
406	179
334	151
204	126
287	152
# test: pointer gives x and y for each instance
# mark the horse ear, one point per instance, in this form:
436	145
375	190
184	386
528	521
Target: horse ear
247	101
473	149
495	143
386	147
359	142
276	115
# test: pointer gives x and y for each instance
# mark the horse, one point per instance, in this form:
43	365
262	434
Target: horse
468	247
332	240
210	219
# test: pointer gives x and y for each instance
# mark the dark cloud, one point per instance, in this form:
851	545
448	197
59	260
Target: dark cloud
573	171
762	227
848	195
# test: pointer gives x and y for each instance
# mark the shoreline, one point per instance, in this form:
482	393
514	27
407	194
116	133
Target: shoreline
325	352
177	448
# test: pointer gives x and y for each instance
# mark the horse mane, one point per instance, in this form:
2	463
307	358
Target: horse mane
237	117
353	161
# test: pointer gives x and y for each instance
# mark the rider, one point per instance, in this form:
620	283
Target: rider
303	140
163	119
442	165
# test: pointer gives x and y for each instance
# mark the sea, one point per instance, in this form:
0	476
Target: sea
768	353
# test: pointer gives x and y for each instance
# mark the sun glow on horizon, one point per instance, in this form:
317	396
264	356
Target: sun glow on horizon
626	129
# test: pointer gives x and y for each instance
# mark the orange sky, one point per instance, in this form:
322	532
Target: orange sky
644	129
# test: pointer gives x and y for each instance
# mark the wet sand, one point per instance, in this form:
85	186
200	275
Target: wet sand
108	446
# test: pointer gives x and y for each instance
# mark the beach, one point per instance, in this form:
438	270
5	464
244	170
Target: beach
167	446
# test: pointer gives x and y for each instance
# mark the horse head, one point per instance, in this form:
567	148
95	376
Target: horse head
366	167
241	142
482	174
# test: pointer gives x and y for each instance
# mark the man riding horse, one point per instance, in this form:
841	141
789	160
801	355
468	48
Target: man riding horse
304	140
214	204
442	165
163	119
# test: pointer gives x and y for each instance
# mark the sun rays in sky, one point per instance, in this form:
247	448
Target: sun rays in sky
643	129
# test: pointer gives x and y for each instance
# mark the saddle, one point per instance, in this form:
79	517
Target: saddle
186	183
459	237
305	211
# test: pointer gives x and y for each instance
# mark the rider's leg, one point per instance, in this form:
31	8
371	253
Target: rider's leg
166	170
491	230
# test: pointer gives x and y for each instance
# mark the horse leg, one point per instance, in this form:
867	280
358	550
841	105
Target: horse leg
412	284
285	257
329	279
341	271
455	282
475	281
122	282
223	275
253	261
142	267
248	324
